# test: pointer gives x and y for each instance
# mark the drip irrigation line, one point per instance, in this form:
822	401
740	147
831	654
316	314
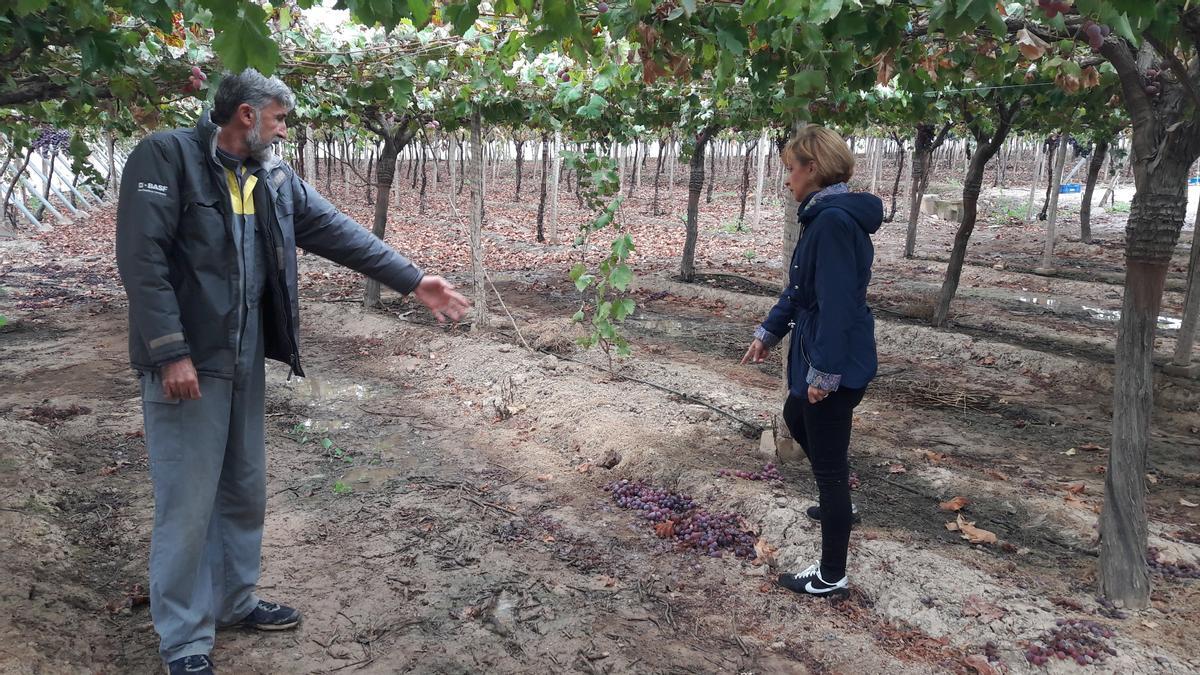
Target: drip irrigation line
937	92
758	428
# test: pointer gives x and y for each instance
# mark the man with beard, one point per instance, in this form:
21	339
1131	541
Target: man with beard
207	228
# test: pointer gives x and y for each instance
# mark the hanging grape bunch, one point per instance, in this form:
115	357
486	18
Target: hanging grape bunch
1053	8
1155	79
1095	34
195	80
51	140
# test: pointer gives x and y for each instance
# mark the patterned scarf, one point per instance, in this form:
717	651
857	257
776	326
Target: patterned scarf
835	189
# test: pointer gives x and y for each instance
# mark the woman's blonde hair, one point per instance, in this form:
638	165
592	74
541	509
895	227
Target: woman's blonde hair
835	162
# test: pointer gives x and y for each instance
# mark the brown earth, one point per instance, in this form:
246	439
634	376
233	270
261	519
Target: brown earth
436	494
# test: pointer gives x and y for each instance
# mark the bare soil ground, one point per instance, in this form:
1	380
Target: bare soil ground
436	494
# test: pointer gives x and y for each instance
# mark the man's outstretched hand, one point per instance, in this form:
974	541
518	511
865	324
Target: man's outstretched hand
440	297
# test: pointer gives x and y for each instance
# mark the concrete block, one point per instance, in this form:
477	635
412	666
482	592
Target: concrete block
1191	370
949	209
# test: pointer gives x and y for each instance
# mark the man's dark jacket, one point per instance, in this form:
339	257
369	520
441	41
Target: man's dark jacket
179	264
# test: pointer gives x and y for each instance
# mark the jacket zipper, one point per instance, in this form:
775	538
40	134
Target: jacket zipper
284	312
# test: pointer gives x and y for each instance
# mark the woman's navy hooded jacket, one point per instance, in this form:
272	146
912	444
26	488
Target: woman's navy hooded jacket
833	341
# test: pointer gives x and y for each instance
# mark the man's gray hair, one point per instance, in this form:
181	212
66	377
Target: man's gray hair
250	87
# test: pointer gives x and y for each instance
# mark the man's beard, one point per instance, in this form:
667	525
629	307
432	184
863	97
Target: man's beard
259	149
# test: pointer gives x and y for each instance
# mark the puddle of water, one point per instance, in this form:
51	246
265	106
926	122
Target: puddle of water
1037	300
672	327
370	477
1097	313
314	425
1164	322
315	389
395	446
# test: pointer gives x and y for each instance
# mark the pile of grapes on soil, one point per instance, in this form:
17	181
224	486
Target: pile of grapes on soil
768	472
1177	570
678	517
1085	642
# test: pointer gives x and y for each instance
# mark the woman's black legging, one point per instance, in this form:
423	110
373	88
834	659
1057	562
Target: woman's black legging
823	430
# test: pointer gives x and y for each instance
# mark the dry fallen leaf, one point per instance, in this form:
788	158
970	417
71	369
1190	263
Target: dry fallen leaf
1076	489
986	611
934	457
995	474
975	535
584	468
1091	447
543	477
764	553
1190	505
897	468
1152	478
665	530
955	504
980	663
1070	452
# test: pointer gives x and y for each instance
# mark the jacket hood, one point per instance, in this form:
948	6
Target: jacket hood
206	131
866	209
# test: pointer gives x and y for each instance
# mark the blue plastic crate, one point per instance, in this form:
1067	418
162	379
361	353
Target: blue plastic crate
1070	188
1194	181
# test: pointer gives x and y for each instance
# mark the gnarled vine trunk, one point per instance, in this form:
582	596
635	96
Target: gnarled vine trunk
972	185
687	269
1099	154
927	141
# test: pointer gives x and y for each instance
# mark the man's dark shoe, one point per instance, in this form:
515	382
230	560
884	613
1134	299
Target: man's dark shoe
814	512
270	616
197	664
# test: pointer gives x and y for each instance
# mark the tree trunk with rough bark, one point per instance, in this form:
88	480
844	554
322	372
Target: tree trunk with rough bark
1054	145
478	273
745	185
453	167
541	217
1060	160
687	269
520	160
385	173
1166	142
928	140
972	185
1099	154
395	136
423	168
370	186
655	208
1191	303
712	176
899	174
556	151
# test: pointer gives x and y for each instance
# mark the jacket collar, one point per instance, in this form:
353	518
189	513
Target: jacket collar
206	131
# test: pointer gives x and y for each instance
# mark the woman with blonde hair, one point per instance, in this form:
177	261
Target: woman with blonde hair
832	356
